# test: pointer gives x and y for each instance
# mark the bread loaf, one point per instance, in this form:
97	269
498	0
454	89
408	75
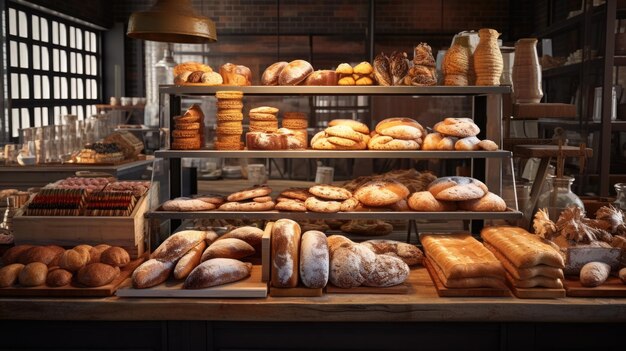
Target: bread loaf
43	254
388	271
58	277
488	203
457	127
322	77
336	241
537	281
525	273
461	256
350	265
115	256
178	244
467	144
295	73
96	251
217	271
285	244
73	260
457	188
228	248
12	255
381	192
236	74
151	273
594	274
9	274
271	73
424	201
84	249
189	261
97	274
33	274
251	235
329	192
523	249
314	259
622	275
410	254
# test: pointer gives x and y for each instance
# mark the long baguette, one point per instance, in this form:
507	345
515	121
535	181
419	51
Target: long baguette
523	249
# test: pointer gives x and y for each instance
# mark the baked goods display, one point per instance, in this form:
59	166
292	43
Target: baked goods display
361	74
456	64
264	119
529	260
238	75
188	130
297	124
397	134
460	261
457	134
451	193
251	199
55	267
229	120
342	134
100	153
423	72
196	73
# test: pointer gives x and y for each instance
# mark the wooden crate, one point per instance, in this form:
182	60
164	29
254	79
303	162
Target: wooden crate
128	232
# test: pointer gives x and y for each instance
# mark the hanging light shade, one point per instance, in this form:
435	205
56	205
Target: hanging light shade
172	21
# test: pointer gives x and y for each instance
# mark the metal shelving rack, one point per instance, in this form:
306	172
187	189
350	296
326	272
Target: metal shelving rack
486	165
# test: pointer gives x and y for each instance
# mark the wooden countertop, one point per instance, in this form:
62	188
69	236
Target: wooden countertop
420	304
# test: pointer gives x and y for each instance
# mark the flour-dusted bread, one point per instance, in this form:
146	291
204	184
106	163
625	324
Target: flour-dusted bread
424	201
228	248
336	241
178	244
251	235
295	72
271	73
457	188
381	192
461	256
488	203
314	259
457	127
594	274
151	273
410	254
388	271
189	261
285	243
351	265
523	249
217	271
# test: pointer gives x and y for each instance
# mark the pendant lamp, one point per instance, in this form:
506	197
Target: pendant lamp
172	21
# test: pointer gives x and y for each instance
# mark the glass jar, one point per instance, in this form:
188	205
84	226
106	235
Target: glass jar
559	197
620	201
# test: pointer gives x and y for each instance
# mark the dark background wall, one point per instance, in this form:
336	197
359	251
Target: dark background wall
340	26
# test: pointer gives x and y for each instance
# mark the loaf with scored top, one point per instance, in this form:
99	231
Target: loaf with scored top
522	248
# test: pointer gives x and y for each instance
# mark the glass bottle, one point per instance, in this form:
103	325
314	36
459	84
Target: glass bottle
559	197
620	201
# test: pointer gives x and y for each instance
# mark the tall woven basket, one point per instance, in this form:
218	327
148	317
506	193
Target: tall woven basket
488	58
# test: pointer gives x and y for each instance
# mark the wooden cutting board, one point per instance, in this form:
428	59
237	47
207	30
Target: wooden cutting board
613	287
74	289
443	291
249	287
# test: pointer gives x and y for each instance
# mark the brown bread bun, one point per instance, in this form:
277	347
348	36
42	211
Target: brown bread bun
295	72
97	274
33	274
115	256
96	251
9	274
488	203
424	201
73	260
271	73
58	277
381	192
13	254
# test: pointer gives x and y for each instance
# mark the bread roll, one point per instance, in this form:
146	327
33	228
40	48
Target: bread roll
410	254
151	273
594	274
488	203
235	74
295	73
322	77
271	73
43	254
424	201
9	274
355	125
187	263
12	255
285	244
457	188
84	249
73	260
431	141
178	244
96	251
115	256
217	271
314	259
228	248
488	145
467	144
388	271
622	275
251	235
457	127
350	265
381	192
33	274
58	277
97	274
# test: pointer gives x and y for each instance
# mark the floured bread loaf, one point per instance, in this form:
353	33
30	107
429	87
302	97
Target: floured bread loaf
461	256
285	243
228	248
178	244
388	271
217	271
187	263
151	273
410	254
314	259
523	249
351	265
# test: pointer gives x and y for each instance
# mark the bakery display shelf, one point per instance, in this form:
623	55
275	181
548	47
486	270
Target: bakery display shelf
337	90
414	154
510	214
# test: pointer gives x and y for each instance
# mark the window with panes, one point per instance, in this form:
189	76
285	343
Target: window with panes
52	68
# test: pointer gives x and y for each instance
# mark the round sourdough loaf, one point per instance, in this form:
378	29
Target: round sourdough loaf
381	192
457	127
424	201
410	254
295	72
285	244
58	277
457	188
388	271
336	241
228	248
350	265
355	125
151	273
314	259
488	203
322	77
271	73
217	271
467	144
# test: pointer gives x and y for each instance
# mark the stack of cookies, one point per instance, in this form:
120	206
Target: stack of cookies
229	120
252	199
292	199
330	199
297	123
187	132
264	119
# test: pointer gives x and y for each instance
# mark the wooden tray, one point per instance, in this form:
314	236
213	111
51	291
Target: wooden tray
442	291
534	293
74	289
613	287
400	289
249	287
